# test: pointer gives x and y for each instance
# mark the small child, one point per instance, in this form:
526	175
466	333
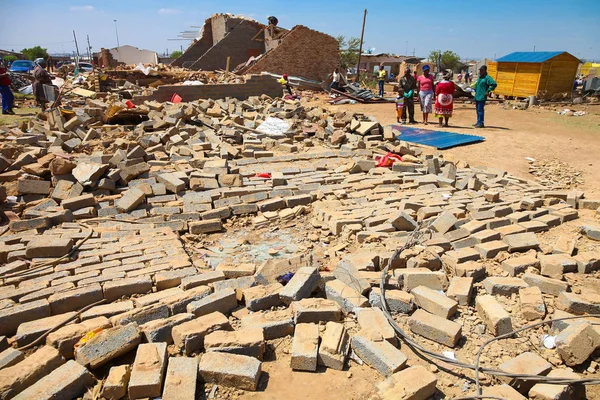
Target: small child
399	104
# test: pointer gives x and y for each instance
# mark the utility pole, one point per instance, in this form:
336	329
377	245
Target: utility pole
89	49
76	48
117	33
406	49
534	47
362	35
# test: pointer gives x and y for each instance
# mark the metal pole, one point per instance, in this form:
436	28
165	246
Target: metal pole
76	48
89	50
362	35
117	33
406	49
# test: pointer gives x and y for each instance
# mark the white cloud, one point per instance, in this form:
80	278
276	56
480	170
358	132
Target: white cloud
82	8
169	11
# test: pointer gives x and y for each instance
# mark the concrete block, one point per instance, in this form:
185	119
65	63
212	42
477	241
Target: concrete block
525	363
65	338
505	286
115	386
18	377
434	302
181	378
334	347
204	278
315	310
380	355
148	371
348	273
68	381
232	271
42	247
415	383
130	200
73	300
518	265
403	222
10	357
347	297
302	284
12	317
160	330
410	278
208	226
555	265
178	303
546	285
233	370
532	303
114	290
222	301
460	290
262	297
398	301
491	249
435	328
577	304
107	310
305	347
274	324
493	315
544	391
107	345
444	222
373	319
503	391
521	242
247	342
30	331
189	336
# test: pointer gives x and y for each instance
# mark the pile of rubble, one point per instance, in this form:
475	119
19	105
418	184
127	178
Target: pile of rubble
104	220
555	174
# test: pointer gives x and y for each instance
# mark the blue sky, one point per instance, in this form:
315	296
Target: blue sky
472	29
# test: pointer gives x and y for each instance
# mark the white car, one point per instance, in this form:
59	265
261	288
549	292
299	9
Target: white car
86	67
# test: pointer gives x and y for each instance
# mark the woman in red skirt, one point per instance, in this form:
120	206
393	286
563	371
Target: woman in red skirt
444	98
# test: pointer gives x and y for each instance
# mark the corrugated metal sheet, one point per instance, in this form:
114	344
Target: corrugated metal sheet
530	56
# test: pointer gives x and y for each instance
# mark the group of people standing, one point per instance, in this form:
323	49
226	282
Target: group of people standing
444	95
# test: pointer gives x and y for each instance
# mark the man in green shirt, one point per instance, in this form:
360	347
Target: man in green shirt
484	85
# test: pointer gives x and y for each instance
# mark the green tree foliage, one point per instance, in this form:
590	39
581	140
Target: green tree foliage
10	59
447	59
35	52
348	51
176	54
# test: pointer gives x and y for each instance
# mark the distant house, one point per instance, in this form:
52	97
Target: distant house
540	73
391	63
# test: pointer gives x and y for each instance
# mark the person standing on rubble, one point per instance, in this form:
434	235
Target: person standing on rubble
285	84
7	94
381	74
335	82
484	85
425	86
42	77
407	86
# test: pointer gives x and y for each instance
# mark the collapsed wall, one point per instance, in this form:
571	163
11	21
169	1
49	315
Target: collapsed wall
301	52
198	48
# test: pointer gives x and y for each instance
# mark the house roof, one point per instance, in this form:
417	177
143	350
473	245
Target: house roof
530	56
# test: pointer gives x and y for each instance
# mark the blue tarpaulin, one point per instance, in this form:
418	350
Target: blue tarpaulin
438	139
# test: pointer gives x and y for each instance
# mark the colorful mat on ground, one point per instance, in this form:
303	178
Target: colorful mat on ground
438	139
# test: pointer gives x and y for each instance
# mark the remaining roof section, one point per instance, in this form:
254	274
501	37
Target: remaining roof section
530	56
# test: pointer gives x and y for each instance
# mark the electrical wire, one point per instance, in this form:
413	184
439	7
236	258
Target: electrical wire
413	239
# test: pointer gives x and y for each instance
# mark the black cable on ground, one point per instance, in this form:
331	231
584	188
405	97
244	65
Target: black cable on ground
413	239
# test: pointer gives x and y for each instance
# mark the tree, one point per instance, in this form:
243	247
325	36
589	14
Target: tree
35	52
10	59
348	51
176	54
447	59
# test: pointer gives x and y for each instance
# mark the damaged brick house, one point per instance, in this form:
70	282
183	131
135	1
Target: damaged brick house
255	48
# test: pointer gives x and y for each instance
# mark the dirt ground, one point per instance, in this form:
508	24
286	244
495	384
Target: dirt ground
511	135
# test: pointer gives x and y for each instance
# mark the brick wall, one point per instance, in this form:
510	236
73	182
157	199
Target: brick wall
196	50
255	86
302	52
235	44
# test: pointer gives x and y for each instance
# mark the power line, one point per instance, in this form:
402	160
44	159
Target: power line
37	44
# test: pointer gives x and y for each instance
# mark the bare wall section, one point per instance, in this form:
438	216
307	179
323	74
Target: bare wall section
301	52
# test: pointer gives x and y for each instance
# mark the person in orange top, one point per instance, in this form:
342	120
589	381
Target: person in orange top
444	98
